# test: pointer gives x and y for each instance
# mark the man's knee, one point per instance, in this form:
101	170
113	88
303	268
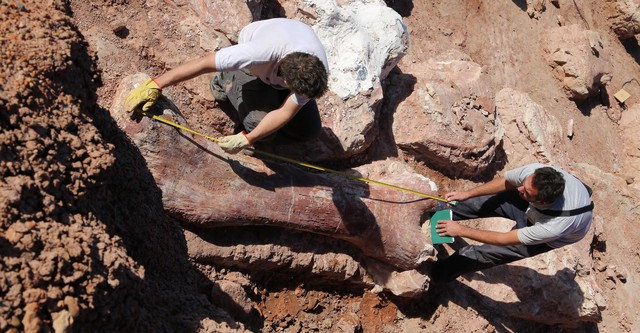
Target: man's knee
253	118
217	90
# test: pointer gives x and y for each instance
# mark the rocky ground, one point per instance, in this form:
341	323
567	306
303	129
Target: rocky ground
85	243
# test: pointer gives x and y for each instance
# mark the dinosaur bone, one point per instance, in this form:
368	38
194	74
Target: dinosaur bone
201	185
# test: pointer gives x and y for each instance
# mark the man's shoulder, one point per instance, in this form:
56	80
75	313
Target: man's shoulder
517	175
275	23
527	168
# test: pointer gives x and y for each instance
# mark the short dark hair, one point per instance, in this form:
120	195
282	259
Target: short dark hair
305	74
549	183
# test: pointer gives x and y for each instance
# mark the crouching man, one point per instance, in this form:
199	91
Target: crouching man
551	209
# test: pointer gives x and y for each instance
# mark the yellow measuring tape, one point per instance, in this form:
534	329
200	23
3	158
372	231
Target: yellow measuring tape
311	166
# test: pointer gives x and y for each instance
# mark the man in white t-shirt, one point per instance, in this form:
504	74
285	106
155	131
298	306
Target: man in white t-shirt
271	77
551	208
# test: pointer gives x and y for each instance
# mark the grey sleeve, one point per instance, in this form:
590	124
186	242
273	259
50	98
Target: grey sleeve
543	231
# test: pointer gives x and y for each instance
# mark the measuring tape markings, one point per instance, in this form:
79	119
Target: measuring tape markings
308	165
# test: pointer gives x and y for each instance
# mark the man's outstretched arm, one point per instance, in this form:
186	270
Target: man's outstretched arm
274	120
494	186
146	94
271	122
188	70
451	228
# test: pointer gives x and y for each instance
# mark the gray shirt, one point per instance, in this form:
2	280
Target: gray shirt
262	45
556	231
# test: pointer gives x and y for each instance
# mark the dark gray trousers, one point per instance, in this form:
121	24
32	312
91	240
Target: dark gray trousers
253	99
471	258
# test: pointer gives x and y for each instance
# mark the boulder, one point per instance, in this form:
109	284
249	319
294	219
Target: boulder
217	15
531	134
363	41
624	17
449	121
578	61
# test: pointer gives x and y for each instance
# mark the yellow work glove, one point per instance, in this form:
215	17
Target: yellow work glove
234	143
146	93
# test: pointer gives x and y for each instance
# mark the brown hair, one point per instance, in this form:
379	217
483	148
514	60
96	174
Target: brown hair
305	74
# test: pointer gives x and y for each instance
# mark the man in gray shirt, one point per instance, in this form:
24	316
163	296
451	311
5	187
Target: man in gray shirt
271	77
551	208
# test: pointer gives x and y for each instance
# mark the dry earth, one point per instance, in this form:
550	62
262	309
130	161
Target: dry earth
85	244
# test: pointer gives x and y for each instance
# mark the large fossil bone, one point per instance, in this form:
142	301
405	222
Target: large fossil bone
201	185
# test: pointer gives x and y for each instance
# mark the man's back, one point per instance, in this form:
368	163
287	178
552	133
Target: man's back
557	231
262	44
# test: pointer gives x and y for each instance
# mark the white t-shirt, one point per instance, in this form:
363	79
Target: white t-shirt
556	231
262	45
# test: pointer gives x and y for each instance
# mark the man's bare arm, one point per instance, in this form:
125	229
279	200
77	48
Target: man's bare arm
494	186
188	70
274	120
451	228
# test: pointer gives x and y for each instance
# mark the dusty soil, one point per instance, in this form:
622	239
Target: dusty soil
83	237
82	232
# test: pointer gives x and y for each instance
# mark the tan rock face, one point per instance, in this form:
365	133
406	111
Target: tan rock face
244	13
531	134
449	121
629	125
624	17
578	60
231	295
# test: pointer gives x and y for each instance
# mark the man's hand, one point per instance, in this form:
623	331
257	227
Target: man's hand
457	196
147	93
449	228
234	143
